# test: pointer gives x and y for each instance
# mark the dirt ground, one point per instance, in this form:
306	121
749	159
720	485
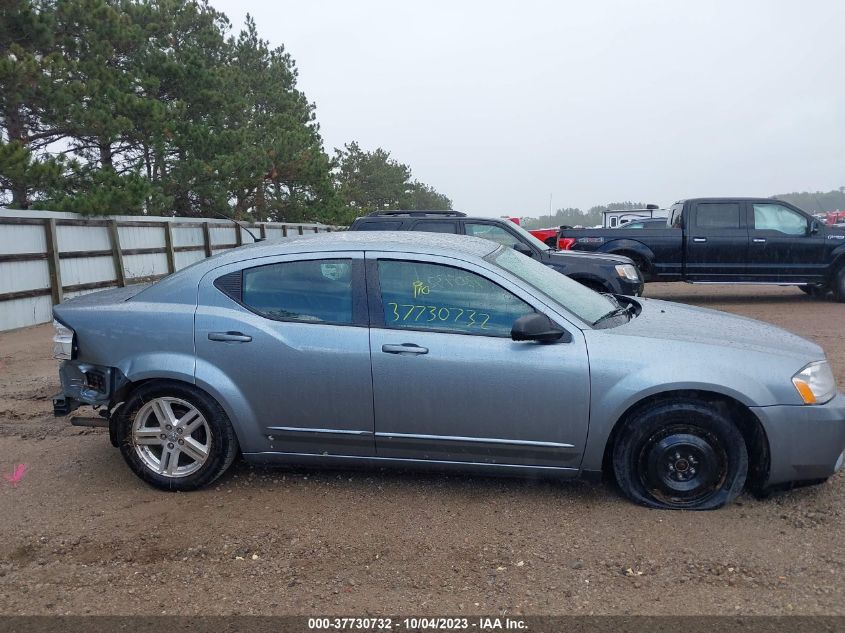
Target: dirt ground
80	534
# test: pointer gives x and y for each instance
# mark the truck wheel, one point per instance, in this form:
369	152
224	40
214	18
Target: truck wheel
838	284
680	455
814	290
174	436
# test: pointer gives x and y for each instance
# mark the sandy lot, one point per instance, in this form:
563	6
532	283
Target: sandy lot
80	534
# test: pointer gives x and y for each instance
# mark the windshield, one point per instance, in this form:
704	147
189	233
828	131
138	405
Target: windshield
530	238
587	305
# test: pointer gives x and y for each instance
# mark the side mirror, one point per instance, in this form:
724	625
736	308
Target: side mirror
814	227
519	247
538	327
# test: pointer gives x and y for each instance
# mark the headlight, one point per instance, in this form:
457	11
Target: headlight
628	271
815	383
62	342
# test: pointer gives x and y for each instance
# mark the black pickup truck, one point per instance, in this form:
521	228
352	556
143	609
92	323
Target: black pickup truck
731	240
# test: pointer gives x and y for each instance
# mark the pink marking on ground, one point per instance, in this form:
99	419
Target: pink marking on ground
16	475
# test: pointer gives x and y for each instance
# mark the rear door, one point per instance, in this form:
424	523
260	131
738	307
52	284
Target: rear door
716	241
783	246
285	340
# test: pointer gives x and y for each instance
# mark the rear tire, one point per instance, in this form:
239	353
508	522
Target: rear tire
837	284
680	455
174	436
814	290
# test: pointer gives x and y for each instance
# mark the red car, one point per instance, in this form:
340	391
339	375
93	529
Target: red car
547	236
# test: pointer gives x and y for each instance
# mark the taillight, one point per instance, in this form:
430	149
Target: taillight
63	343
565	243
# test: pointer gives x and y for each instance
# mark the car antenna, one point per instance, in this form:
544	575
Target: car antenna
251	234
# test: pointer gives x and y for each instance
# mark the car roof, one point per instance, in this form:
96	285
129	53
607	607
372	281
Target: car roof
403	241
416	242
730	199
404	213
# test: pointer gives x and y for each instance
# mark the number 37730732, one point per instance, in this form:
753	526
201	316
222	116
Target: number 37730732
411	313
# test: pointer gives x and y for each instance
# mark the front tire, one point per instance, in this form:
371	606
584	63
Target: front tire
174	436
680	455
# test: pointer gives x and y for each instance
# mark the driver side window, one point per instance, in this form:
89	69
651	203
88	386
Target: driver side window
423	296
775	217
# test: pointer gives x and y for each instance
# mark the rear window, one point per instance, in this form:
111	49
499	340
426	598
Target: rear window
717	215
314	291
380	225
436	227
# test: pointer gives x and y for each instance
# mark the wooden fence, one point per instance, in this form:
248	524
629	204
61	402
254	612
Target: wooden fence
44	260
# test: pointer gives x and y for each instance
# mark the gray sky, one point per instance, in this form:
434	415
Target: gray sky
498	105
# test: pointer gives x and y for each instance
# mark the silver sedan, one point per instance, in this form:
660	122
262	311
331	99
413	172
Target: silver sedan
447	352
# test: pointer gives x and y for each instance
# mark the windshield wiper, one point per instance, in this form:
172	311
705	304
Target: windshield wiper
615	313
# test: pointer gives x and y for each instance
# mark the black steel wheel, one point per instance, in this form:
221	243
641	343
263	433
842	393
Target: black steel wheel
681	455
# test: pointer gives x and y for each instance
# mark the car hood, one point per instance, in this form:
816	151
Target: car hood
567	256
674	321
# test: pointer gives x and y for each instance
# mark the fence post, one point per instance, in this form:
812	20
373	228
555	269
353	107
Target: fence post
300	229
206	238
168	244
117	254
53	261
316	229
239	239
263	229
284	230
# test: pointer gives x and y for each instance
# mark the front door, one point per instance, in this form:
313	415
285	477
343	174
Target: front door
783	246
449	383
285	339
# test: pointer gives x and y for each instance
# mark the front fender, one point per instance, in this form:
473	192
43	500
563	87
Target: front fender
621	379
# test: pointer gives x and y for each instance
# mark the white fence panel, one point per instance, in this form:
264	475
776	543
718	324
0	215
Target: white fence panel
82	238
141	236
86	270
22	239
35	270
145	265
18	313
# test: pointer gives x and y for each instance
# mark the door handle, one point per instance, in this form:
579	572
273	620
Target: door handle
232	337
699	239
405	348
758	240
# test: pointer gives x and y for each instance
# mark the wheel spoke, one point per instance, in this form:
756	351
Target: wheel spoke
169	461
163	412
148	440
148	436
191	421
194	449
